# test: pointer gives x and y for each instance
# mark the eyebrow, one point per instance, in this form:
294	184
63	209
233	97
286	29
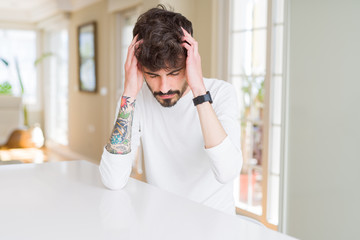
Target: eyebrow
176	70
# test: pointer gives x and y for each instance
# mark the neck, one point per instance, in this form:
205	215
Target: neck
186	91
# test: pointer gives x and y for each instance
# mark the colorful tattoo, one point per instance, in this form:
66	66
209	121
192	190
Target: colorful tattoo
120	140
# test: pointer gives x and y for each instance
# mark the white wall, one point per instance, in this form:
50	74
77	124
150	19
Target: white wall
200	13
323	179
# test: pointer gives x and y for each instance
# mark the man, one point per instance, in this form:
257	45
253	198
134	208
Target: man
191	143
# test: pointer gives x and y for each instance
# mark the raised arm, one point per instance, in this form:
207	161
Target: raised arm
120	139
222	147
120	150
213	131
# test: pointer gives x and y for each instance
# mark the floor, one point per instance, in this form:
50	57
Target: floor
29	155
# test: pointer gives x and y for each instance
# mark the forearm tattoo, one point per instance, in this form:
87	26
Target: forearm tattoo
120	139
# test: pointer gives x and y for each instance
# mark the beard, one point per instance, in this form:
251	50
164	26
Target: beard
170	102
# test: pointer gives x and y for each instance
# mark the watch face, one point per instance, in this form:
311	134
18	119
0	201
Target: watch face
207	97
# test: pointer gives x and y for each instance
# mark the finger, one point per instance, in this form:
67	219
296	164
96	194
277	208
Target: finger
131	46
133	42
185	32
139	42
134	61
131	50
189	39
188	48
134	39
129	55
135	47
193	43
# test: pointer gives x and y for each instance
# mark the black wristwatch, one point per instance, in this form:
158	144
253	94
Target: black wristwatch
202	98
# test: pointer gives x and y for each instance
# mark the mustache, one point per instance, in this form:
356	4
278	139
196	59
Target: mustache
170	92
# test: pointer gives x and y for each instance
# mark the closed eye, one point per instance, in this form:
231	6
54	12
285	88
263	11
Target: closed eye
153	76
174	74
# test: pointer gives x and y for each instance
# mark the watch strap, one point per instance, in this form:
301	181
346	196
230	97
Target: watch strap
202	98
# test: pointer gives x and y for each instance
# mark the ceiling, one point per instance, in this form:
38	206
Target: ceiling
21	4
33	11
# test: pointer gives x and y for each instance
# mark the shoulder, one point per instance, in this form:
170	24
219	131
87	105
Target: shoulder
224	96
219	88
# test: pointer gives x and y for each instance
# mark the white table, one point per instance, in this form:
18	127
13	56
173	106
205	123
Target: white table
66	200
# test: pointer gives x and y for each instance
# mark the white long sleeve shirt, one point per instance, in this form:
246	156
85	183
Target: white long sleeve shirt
174	154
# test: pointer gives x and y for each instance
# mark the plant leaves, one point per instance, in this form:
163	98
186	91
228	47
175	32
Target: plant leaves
42	57
5	88
4	61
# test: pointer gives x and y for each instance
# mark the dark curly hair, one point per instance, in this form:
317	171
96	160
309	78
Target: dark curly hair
161	33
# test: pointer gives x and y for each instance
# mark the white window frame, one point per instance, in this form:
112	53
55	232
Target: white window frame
116	67
37	106
223	72
56	23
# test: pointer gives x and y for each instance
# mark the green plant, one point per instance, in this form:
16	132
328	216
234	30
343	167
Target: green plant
19	76
37	61
43	57
4	61
253	89
5	87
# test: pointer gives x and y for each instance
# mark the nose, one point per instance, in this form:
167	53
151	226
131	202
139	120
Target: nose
164	85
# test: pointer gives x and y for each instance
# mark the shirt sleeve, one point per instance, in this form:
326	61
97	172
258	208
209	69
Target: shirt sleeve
115	169
226	158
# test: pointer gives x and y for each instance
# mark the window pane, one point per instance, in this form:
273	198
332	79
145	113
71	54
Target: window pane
127	35
273	199
249	52
249	14
20	46
248	55
241	53
126	29
260	13
242	14
259	51
57	104
275	150
277	99
278	49
237	82
250	196
278	12
248	69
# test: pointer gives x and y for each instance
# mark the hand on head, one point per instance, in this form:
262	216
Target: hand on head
193	64
133	74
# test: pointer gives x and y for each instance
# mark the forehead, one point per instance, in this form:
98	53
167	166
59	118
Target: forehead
163	71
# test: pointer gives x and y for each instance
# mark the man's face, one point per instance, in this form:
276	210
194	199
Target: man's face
167	86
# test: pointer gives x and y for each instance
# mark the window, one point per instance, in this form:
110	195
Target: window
255	69
56	86
126	22
18	48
